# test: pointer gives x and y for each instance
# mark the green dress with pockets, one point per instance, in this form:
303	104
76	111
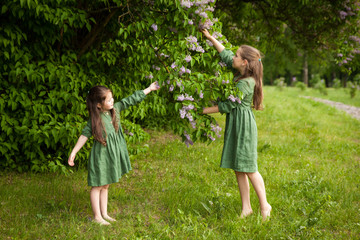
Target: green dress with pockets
240	140
108	163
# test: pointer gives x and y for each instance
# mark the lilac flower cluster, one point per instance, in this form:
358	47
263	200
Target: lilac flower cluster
216	129
184	112
156	68
222	64
188	58
348	12
150	76
185	97
184	70
188	139
233	99
193	45
356	50
154	27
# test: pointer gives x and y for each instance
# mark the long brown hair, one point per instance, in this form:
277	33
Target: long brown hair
97	95
253	69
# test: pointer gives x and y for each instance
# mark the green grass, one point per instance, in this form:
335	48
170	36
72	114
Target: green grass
309	157
337	95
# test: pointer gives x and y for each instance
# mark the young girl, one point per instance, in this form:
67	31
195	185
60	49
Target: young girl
109	158
240	140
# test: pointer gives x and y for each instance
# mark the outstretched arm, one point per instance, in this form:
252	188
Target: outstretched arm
80	143
213	109
219	47
153	87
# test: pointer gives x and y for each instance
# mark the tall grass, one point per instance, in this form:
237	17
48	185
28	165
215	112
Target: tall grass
309	157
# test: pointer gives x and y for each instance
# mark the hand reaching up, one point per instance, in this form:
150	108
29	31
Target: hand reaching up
206	33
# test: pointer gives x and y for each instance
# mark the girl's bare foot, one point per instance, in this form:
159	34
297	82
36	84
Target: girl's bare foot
101	222
110	219
245	213
265	213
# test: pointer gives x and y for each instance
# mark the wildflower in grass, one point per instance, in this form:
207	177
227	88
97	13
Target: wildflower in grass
173	65
190	22
171	88
188	58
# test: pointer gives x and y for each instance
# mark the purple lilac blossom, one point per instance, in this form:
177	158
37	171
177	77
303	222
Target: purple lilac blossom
186	4
203	14
171	88
191	39
190	22
182	70
201	95
173	65
155	27
181	98
190	117
343	14
222	64
188	71
209	43
188	58
232	98
150	76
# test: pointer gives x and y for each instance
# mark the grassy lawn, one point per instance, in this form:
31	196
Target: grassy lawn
309	157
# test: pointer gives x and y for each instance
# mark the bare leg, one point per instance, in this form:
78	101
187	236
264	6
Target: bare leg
244	189
103	203
259	186
95	205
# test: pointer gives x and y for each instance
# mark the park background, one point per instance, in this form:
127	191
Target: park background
53	52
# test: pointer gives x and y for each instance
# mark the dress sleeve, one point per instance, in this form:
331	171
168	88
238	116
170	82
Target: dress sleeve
132	100
87	131
228	105
227	57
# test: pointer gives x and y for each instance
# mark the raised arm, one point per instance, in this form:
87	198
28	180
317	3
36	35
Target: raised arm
80	143
219	47
153	87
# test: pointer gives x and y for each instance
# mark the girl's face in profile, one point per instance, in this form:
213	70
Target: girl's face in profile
108	103
238	62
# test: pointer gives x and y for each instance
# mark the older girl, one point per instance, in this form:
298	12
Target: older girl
240	140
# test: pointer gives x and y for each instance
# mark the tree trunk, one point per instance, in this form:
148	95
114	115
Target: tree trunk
306	71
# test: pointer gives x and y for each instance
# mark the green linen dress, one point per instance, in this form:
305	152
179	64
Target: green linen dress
240	139
108	163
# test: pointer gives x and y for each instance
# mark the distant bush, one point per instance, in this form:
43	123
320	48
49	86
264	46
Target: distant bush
352	89
321	87
315	79
280	83
336	83
302	86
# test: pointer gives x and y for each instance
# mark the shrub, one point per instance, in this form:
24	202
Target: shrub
51	54
280	83
336	83
301	86
321	87
352	89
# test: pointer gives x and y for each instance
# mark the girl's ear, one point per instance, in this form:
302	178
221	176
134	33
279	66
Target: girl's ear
98	105
245	62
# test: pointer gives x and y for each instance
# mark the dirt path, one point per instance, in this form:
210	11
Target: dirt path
353	111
